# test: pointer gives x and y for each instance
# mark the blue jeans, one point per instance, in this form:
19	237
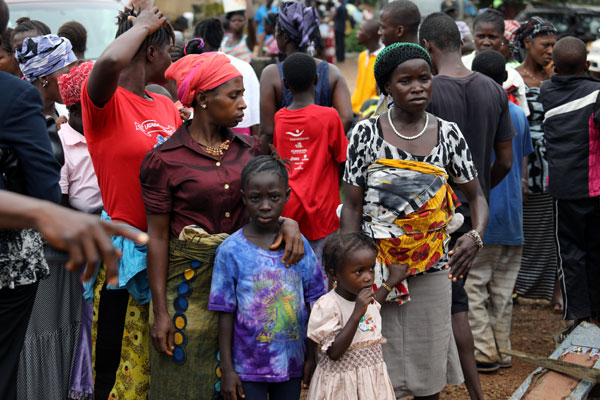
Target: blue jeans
288	390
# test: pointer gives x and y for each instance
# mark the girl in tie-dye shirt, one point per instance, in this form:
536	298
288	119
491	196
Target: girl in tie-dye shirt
263	303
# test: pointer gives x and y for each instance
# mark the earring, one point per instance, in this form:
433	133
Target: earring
44	84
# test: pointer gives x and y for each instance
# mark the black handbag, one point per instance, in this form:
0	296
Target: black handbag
11	168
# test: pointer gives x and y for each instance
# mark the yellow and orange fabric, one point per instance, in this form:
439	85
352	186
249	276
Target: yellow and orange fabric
422	244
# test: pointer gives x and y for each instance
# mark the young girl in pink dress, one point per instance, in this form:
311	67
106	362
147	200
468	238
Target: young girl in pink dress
346	325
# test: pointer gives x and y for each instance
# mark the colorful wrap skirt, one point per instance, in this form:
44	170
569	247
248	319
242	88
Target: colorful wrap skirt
409	205
193	371
132	379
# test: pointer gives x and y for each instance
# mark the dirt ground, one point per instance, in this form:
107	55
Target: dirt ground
533	325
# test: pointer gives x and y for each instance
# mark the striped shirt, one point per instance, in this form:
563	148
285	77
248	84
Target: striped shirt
239	50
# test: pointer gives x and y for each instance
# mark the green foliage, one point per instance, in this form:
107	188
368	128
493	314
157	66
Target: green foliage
352	45
207	9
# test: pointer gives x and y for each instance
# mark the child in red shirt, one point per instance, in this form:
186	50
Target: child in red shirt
312	138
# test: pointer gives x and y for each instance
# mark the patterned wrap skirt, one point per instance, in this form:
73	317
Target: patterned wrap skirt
193	371
133	374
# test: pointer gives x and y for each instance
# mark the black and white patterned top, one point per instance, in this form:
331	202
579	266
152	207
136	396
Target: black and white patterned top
367	145
22	260
537	166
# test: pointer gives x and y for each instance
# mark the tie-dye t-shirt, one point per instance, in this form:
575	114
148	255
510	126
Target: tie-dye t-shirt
268	298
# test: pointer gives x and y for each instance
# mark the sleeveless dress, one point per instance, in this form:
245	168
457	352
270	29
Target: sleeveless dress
240	50
539	260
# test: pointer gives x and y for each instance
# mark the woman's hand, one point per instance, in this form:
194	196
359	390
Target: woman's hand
162	333
150	18
397	273
289	232
231	385
86	238
363	299
184	113
461	257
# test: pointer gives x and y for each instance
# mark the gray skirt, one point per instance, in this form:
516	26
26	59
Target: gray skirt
420	352
52	334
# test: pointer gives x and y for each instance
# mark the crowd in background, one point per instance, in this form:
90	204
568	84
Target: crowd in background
299	237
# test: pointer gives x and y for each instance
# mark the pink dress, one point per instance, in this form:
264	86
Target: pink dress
361	373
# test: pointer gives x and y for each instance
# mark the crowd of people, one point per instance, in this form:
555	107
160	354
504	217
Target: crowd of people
224	234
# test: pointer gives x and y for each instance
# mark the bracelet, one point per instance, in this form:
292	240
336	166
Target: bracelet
473	234
385	285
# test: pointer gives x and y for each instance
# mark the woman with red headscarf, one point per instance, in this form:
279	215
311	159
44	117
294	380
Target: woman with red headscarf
191	186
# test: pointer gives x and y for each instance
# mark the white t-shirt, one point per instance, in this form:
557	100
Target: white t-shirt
251	93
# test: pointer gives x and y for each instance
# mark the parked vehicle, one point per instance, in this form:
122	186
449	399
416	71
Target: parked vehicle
98	16
579	22
594	58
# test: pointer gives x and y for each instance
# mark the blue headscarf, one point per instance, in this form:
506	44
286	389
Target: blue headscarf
44	55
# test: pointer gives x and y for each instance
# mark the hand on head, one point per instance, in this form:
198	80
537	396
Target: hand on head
152	18
140	4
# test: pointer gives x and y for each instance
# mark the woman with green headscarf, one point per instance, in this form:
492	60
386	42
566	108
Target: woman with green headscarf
397	191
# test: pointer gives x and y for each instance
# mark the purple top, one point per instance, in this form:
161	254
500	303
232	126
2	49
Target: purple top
268	300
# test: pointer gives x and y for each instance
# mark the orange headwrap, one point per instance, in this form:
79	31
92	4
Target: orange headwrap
196	72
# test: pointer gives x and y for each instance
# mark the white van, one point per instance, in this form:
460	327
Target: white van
99	17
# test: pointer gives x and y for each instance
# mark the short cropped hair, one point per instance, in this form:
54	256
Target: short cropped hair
441	31
299	71
265	163
491	16
405	13
339	245
490	63
569	55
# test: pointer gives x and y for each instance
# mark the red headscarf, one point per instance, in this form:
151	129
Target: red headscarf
196	72
510	29
69	85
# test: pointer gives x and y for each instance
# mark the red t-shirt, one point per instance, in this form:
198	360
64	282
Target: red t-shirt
119	135
313	139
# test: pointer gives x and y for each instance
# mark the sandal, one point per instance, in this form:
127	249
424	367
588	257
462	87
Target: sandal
558	308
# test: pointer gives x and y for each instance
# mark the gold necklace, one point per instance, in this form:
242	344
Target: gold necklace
532	77
216	151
